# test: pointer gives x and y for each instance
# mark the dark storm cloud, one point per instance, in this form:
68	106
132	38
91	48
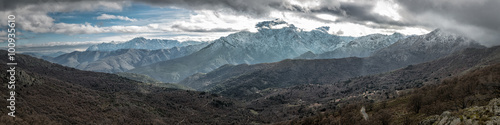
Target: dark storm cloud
481	13
257	7
468	16
476	18
12	4
199	29
359	12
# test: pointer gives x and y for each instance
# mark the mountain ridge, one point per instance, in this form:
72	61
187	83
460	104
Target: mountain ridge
267	45
141	43
294	72
121	60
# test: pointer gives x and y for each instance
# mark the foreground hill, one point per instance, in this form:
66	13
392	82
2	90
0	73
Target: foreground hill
454	101
48	93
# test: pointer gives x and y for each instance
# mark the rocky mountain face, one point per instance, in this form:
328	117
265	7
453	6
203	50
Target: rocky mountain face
123	59
418	49
489	115
268	45
141	43
249	79
360	47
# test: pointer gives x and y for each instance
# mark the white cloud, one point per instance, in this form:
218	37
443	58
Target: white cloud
109	17
209	20
388	8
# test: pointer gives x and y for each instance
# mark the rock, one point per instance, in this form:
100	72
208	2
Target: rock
429	120
489	115
365	116
494	106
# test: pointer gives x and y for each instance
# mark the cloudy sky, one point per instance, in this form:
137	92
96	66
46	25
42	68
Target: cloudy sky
75	24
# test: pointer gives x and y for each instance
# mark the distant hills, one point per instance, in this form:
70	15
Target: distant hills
141	43
123	59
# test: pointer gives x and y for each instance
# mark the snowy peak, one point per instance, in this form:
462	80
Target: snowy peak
444	36
324	29
273	24
437	32
439	36
289	38
139	39
396	34
361	47
427	47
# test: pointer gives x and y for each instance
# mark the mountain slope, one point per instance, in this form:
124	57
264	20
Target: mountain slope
48	93
419	49
123	59
141	43
295	72
267	45
360	47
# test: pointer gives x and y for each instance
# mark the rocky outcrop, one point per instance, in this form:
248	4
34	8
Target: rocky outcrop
477	115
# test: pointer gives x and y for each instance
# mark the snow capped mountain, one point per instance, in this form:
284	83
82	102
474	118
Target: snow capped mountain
248	79
360	47
418	49
275	40
269	44
141	43
123	59
429	46
287	41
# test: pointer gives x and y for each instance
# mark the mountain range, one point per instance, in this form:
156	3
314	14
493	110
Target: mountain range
412	50
360	47
266	45
141	43
123	59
